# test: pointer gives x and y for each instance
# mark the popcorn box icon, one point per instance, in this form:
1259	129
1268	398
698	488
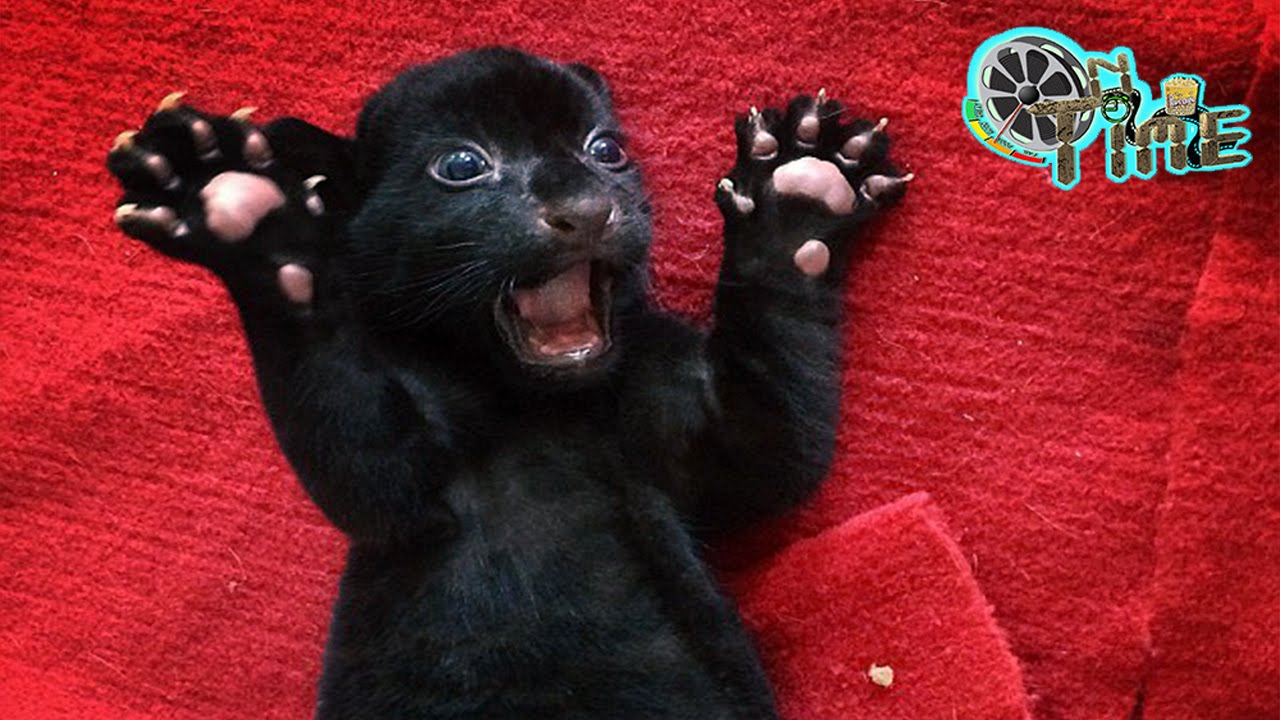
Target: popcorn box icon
1181	94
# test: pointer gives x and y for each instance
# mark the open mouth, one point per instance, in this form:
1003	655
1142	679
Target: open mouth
562	322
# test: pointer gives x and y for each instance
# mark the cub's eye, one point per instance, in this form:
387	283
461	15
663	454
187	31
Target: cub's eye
606	151
461	166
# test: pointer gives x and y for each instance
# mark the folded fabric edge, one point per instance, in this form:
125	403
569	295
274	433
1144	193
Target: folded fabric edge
916	516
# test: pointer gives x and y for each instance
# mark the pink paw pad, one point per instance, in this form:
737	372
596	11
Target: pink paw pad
256	149
763	144
159	166
884	188
807	129
817	180
813	257
297	283
205	140
809	126
235	202
160	217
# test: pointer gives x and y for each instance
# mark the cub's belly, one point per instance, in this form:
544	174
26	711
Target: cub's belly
540	607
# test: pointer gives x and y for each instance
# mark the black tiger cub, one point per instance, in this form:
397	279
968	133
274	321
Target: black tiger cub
453	339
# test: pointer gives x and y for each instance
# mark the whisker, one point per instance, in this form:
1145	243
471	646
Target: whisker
443	290
442	277
457	294
456	246
827	115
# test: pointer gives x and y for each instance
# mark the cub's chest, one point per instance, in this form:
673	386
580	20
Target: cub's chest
538	546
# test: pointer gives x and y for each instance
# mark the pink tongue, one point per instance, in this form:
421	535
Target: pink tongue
559	313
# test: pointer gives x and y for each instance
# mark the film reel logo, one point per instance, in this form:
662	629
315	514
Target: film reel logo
1037	98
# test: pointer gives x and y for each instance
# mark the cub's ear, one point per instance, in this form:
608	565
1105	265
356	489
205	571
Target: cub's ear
594	79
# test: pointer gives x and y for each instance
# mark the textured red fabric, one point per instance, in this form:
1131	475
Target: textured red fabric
1217	591
1065	373
888	588
28	693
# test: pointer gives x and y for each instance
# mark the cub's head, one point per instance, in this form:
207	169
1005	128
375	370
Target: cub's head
502	213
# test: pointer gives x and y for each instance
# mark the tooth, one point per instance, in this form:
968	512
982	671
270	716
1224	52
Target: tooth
123	141
171	101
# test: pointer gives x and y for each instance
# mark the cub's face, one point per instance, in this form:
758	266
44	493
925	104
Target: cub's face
502	211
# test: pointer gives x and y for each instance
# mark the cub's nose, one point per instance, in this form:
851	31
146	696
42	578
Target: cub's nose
578	221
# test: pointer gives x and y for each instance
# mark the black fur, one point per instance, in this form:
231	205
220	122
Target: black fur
524	540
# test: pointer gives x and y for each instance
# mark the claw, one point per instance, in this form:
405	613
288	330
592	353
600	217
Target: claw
172	101
753	114
243	114
314	204
822	96
123	141
880	126
725	184
124	211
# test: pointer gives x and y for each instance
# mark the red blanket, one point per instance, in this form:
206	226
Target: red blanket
1084	382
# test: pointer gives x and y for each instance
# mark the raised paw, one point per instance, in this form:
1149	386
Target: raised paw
198	187
804	178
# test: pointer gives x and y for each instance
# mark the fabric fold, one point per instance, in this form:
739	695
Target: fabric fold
1215	629
888	588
